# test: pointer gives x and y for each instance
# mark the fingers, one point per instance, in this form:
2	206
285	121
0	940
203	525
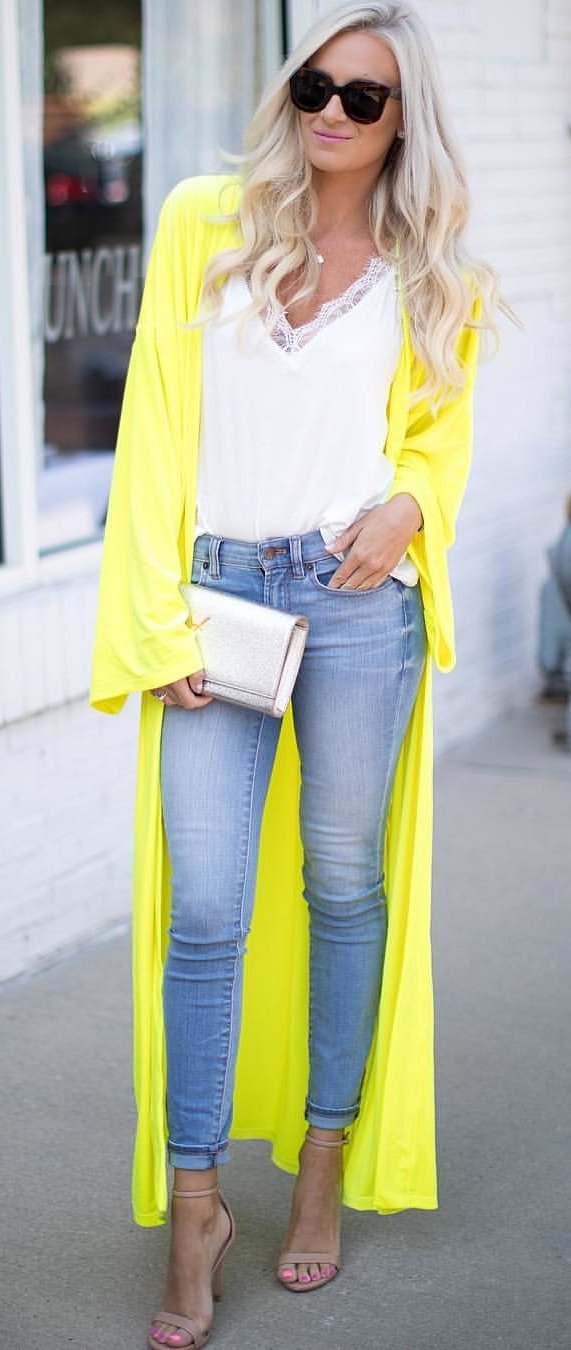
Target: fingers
186	692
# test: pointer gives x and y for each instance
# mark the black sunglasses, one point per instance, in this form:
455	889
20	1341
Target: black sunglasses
362	100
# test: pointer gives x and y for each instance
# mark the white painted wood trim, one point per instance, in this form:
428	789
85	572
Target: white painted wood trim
18	450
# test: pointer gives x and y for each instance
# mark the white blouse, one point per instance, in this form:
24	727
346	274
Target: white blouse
294	419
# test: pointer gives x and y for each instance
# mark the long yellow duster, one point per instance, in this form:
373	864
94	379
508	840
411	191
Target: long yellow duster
143	640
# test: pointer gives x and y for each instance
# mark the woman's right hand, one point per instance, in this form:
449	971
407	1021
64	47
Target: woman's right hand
184	693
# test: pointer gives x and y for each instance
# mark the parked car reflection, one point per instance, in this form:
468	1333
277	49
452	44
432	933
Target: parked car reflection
93	185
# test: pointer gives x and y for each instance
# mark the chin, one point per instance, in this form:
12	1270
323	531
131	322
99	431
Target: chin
328	156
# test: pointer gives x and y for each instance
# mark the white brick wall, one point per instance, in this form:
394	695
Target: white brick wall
513	116
46	636
66	805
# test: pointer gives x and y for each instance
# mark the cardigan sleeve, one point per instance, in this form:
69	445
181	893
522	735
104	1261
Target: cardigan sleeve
433	466
142	638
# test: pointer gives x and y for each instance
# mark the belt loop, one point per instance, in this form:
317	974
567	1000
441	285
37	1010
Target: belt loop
296	555
213	560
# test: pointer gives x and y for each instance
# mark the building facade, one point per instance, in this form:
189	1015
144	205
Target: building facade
99	116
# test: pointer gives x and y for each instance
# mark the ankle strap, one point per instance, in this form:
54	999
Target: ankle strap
209	1191
327	1143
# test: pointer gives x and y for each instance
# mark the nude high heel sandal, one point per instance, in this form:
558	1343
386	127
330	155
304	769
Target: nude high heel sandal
331	1258
200	1334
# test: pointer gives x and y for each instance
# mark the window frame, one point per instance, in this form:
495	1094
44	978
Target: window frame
17	432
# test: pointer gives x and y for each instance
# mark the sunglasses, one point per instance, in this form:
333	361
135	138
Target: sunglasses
362	100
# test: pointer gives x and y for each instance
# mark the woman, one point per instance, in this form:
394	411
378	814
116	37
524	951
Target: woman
296	429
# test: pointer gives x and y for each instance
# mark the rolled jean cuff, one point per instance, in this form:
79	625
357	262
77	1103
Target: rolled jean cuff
327	1119
198	1160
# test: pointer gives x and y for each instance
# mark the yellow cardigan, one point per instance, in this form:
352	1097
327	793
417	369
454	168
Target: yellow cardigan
142	640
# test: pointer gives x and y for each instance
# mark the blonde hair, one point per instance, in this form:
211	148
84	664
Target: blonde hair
420	202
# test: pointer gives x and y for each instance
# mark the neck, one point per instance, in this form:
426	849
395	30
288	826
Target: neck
343	201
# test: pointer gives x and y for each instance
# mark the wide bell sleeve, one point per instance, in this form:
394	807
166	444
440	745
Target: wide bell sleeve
433	464
142	639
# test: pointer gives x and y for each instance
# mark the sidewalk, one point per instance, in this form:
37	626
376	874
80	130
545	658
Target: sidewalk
490	1268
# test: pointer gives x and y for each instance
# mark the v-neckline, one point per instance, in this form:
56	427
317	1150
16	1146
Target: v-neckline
320	321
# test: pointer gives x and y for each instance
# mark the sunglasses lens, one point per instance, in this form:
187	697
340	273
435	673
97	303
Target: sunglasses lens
364	105
309	90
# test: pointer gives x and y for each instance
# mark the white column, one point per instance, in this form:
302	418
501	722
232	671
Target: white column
17	421
204	66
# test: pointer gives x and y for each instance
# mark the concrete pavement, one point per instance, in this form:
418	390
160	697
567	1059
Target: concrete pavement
490	1268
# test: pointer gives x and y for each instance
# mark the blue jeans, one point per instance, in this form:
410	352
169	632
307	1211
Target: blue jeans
351	703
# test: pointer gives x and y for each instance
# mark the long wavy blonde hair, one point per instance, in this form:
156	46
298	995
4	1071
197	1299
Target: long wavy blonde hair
420	202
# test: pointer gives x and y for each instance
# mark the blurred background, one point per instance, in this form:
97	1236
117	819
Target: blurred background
101	111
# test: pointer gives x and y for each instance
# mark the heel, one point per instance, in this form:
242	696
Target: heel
217	1267
217	1284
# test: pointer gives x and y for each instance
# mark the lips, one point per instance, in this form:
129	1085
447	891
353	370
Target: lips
330	136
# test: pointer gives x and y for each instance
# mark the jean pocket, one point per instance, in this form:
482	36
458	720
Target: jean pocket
321	572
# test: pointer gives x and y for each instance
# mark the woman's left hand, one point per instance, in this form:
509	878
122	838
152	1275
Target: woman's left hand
376	542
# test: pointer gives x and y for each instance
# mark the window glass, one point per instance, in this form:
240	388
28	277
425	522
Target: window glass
92	166
89	202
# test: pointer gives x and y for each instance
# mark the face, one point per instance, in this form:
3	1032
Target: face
332	141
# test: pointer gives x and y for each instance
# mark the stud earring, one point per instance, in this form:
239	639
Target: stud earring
400	135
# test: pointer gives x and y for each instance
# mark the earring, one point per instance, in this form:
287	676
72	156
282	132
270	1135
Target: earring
400	135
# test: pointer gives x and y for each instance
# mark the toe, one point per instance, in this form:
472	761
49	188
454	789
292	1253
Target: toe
286	1273
303	1274
315	1272
181	1339
167	1334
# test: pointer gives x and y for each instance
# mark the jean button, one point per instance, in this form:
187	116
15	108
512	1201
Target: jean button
269	552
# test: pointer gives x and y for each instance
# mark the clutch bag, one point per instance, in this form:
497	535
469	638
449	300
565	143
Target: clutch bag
251	652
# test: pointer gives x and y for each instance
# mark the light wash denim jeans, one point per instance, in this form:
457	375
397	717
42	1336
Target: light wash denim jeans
351	704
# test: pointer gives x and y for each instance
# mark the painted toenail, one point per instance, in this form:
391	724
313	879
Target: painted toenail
304	1279
287	1274
315	1276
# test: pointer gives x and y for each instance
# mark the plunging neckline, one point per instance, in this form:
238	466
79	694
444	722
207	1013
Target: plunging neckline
289	339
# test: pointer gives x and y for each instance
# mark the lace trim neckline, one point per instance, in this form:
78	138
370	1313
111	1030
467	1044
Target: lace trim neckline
293	339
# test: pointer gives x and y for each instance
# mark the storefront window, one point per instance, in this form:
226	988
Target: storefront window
92	167
94	186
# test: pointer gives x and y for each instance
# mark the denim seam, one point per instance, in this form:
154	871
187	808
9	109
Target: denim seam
331	1110
239	957
192	1150
392	767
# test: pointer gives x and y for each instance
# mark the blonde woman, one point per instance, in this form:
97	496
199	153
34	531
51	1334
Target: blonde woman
296	429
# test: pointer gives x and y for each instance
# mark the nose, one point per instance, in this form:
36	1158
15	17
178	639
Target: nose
334	108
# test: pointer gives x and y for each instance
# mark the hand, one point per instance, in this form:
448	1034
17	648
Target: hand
183	693
376	542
